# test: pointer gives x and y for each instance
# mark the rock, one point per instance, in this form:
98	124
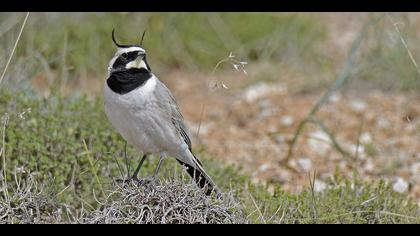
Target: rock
261	89
383	123
358	105
264	167
319	142
319	186
365	138
335	97
400	185
305	164
287	121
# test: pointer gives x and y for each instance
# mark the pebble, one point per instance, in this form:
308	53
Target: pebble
319	186
287	121
335	98
358	105
383	123
264	167
305	164
319	142
365	138
400	185
259	90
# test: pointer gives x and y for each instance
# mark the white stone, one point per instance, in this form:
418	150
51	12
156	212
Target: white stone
335	97
319	142
287	121
365	138
261	89
264	167
400	185
319	186
305	164
358	105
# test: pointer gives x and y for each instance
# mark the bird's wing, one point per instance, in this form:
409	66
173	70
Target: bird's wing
170	111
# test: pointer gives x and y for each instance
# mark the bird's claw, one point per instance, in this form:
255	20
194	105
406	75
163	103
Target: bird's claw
124	181
145	181
137	181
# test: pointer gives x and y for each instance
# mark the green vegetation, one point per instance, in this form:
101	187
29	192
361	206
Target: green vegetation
189	40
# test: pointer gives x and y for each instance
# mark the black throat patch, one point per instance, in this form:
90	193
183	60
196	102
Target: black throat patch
123	82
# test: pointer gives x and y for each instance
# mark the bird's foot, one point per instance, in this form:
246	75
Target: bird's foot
139	182
128	180
124	181
145	181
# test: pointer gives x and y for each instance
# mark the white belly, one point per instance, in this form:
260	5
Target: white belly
130	116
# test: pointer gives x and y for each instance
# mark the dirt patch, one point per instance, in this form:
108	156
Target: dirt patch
252	127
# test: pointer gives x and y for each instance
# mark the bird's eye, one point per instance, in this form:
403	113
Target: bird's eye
124	55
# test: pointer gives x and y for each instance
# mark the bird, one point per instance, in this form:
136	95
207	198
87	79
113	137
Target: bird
145	113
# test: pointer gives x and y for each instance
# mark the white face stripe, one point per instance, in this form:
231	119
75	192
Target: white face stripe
125	50
130	49
138	63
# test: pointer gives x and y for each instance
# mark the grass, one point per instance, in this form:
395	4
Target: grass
188	40
63	156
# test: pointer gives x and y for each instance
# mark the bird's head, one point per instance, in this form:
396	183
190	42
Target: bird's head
128	57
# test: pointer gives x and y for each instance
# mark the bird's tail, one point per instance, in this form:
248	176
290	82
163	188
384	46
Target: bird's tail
202	179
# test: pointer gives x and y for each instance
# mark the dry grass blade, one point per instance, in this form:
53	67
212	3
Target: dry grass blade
4	120
313	197
258	208
14	48
93	167
404	42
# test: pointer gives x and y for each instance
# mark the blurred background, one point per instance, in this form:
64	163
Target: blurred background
248	116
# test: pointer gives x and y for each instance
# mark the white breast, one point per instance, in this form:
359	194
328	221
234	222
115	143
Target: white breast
128	115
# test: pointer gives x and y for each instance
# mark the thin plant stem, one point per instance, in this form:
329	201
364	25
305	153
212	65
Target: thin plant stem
14	48
3	155
405	44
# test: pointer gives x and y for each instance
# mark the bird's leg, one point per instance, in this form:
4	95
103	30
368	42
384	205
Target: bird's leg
155	174
162	157
136	172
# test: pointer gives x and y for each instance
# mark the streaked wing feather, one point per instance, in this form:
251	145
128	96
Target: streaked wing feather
171	112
